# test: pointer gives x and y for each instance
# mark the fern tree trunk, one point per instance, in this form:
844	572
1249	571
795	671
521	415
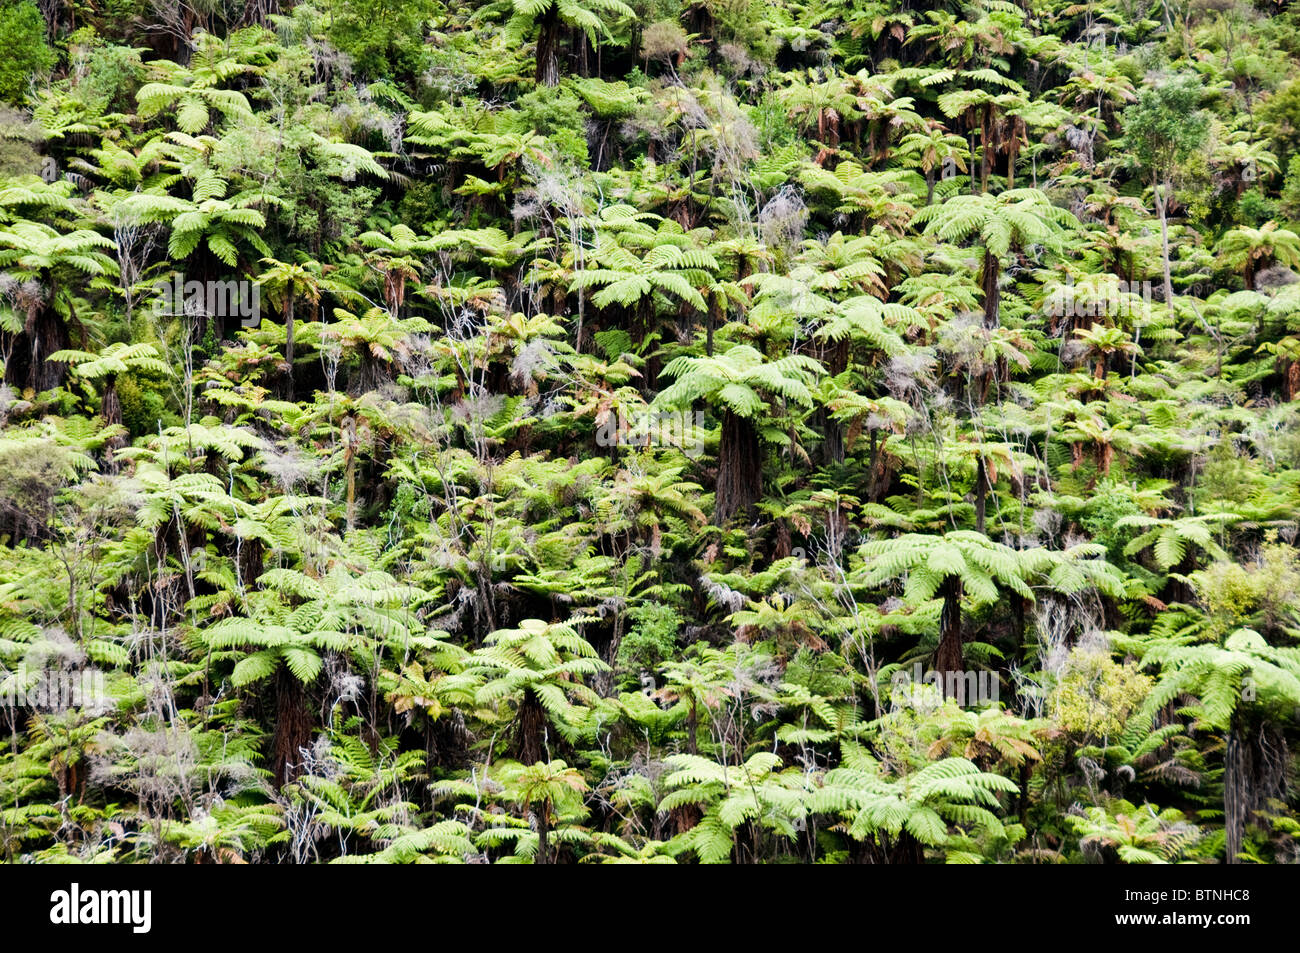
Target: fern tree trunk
1013	151
883	849
543	833
986	146
256	12
530	729
446	743
548	41
292	726
1254	772
879	477
643	323
288	347
205	267
740	468
250	557
110	405
110	408
43	333
907	850
372	372
949	656
745	848
989	281
833	431
713	317
1236	791
989	275
48	336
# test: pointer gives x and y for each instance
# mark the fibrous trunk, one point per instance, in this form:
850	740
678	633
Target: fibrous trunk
288	347
548	67
992	294
110	409
949	656
881	848
1255	770
29	365
543	834
740	469
530	729
292	726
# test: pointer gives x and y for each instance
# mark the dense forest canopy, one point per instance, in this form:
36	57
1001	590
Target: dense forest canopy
649	431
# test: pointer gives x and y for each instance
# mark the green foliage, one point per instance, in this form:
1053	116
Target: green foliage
1254	594
651	640
634	393
28	57
553	112
1094	695
383	37
1136	835
1164	126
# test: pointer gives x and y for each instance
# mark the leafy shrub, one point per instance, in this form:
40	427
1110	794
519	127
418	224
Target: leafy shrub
1095	695
144	409
26	54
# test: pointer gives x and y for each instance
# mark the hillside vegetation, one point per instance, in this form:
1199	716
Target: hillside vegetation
727	431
